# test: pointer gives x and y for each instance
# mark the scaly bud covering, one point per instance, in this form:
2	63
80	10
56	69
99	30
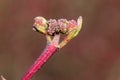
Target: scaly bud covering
40	25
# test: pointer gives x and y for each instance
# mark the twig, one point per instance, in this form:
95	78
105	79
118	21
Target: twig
46	54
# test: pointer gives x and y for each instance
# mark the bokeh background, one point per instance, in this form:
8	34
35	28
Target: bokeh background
93	55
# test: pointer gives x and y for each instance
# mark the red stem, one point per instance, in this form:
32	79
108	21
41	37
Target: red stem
47	53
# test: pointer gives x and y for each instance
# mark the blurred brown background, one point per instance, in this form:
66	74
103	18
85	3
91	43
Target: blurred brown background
93	55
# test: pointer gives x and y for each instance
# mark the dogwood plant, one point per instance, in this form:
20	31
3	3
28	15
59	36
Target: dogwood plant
53	29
